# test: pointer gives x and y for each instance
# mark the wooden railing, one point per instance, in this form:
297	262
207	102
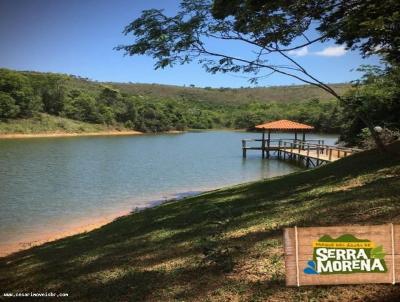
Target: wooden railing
314	148
275	142
321	150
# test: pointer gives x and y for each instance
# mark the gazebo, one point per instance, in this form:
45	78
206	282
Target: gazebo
282	126
311	152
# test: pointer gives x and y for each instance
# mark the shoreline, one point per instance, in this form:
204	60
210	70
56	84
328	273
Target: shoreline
69	134
79	134
76	229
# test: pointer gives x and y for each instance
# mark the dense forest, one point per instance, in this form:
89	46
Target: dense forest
26	94
142	107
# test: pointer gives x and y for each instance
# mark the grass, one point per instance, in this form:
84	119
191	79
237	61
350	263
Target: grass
45	123
225	245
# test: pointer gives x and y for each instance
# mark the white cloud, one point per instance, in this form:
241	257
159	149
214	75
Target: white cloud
301	52
332	51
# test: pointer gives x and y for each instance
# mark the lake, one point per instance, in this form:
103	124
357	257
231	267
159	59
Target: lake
58	186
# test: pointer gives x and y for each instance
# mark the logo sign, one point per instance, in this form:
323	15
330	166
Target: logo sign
346	254
341	255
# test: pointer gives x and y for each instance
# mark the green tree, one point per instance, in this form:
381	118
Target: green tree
366	25
83	108
8	107
378	94
19	88
109	96
53	94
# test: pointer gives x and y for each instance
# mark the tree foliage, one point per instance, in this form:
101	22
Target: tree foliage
266	27
376	93
81	100
366	25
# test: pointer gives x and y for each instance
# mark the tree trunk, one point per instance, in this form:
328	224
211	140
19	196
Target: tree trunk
375	135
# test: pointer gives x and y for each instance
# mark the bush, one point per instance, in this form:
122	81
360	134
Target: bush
8	108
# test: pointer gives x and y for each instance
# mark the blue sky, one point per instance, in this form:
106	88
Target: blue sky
78	37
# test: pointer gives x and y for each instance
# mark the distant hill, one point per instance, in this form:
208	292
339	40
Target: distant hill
223	95
27	95
234	95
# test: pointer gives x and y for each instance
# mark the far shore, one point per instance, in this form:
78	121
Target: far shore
73	134
67	134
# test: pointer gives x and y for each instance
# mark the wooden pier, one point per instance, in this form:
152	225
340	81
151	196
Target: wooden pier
311	153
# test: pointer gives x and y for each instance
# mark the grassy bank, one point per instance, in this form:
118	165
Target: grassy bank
45	123
225	245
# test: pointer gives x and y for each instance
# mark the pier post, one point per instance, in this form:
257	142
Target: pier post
263	144
268	143
279	149
244	148
291	150
284	150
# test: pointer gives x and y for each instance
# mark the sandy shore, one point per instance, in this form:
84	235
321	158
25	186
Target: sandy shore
86	226
73	229
65	134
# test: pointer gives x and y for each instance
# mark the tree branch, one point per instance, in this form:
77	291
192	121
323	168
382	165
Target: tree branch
201	49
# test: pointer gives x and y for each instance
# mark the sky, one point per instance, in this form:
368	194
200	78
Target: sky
78	36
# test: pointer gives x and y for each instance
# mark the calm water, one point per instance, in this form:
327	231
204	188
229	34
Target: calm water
47	185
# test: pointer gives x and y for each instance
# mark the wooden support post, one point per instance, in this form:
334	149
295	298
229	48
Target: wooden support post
244	148
279	149
330	154
268	143
263	144
284	150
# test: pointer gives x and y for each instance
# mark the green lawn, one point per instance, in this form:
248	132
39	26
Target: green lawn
225	245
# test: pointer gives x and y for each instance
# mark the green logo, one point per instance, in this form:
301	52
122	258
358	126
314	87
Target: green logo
346	255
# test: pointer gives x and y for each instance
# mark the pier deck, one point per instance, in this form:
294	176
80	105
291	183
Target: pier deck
310	152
